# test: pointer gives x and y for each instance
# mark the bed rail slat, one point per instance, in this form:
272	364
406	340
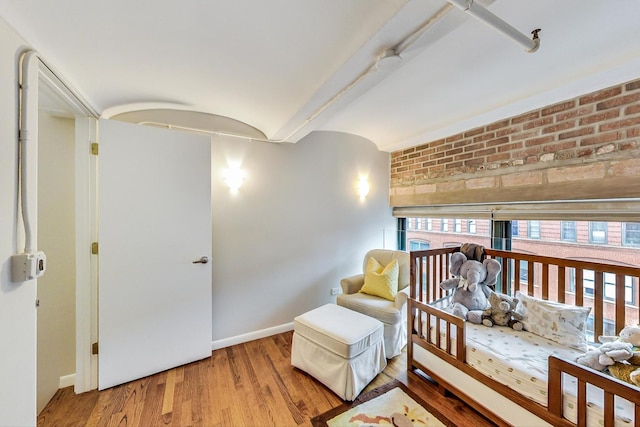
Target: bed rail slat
582	403
579	287
438	336
609	413
434	267
555	391
620	302
504	280
516	275
422	266
562	276
545	281
598	293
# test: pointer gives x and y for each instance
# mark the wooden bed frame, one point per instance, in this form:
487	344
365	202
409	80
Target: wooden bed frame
546	278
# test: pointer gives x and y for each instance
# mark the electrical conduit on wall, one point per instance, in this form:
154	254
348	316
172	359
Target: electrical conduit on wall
30	264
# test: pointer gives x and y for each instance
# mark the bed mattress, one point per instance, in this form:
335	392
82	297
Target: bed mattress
518	359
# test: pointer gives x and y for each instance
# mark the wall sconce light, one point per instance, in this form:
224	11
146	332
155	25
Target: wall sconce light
234	177
363	188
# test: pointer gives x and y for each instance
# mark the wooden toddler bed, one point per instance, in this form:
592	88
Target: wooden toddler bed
464	359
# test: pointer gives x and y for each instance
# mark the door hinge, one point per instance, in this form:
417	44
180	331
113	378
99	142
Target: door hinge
94	348
94	248
94	148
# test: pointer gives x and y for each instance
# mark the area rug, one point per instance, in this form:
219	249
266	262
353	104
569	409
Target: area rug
392	404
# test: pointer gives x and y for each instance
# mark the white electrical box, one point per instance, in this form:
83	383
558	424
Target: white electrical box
28	266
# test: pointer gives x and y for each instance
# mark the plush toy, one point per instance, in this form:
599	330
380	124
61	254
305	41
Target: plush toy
615	351
591	359
630	334
616	355
599	358
628	371
501	312
470	285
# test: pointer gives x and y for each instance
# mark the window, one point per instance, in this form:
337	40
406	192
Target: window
515	283
439	232
631	234
559	237
608	328
598	232
609	280
568	231
418	245
524	272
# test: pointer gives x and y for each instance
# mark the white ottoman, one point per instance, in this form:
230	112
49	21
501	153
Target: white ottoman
341	348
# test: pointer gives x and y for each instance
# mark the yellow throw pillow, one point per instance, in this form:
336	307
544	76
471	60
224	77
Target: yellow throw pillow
381	281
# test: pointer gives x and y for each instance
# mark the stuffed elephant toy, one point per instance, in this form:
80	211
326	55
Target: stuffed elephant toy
471	285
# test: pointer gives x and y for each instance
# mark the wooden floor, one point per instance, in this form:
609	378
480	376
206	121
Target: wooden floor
251	384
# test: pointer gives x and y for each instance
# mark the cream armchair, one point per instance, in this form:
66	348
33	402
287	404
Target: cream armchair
393	314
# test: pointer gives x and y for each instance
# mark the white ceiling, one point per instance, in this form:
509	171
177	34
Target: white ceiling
288	67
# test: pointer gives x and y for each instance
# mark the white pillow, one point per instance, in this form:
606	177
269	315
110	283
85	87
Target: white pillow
562	323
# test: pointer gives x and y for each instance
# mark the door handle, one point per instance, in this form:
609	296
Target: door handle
202	260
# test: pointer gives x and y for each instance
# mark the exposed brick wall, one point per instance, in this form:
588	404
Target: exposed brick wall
586	147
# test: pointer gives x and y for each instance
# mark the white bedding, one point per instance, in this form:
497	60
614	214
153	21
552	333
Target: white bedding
519	361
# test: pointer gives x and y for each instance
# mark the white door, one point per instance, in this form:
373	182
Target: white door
154	309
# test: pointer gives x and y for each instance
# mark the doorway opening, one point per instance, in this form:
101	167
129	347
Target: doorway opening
62	133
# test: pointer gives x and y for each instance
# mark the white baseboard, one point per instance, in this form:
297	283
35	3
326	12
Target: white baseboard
67	381
239	339
70	380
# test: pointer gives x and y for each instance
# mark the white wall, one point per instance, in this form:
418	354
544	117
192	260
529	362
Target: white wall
294	229
56	237
17	300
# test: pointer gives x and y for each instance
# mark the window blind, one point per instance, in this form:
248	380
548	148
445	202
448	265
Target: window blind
623	210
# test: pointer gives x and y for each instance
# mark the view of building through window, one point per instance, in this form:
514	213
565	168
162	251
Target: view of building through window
617	242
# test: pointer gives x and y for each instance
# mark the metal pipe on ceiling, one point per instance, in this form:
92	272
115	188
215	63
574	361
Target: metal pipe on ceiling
391	57
484	15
